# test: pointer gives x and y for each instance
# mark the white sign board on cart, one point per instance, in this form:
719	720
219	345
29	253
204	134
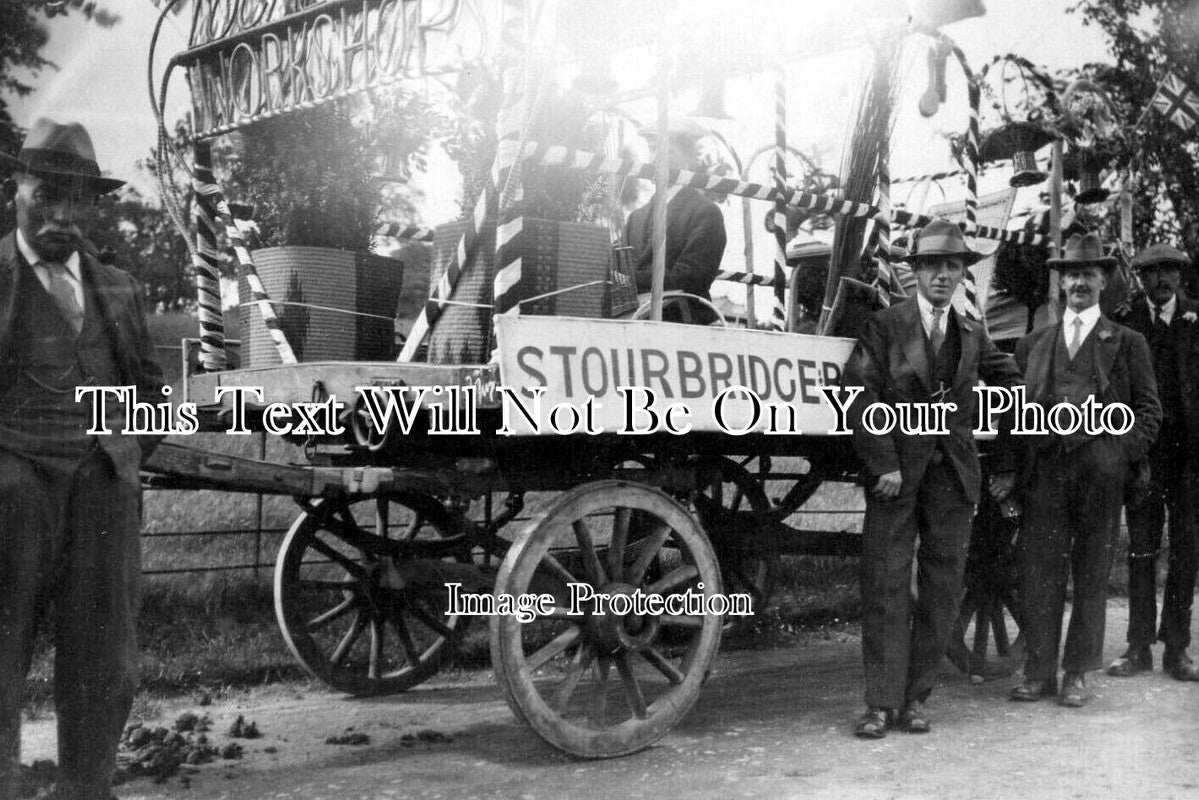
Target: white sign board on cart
576	359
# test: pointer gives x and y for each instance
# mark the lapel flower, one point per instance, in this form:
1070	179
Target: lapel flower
1190	316
1104	335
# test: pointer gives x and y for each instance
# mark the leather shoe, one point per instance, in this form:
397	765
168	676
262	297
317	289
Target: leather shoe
1134	660
873	724
1179	666
913	719
1074	691
1033	690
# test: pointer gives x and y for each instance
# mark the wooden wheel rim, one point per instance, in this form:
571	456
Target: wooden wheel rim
512	669
298	550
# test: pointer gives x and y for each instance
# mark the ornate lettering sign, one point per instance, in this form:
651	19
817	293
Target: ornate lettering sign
252	59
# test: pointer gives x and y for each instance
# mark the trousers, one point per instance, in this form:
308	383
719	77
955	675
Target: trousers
70	561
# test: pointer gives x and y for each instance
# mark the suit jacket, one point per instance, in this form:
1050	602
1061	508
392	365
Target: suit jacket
1123	372
120	306
891	364
1136	316
695	240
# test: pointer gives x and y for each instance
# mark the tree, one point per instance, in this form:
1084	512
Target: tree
23	34
1147	39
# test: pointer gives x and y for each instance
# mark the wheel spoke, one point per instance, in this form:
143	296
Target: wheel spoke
376	656
430	620
381	517
591	562
331	553
559	612
982	622
560	643
405	637
555	566
632	690
663	665
620	535
347	641
654	542
675	577
340	610
599	697
418	522
682	620
999	626
578	667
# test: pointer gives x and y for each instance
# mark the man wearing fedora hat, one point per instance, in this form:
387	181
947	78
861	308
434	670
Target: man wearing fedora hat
1075	482
918	487
695	235
69	501
1170	323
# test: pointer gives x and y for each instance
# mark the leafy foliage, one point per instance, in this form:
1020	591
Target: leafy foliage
311	176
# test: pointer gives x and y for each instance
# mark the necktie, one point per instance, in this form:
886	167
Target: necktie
1076	342
936	336
1158	319
62	289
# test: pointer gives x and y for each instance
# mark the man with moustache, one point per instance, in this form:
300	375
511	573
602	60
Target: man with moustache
1170	323
695	235
1075	483
919	487
69	502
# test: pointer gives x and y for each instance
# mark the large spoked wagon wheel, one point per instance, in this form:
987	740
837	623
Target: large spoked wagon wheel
731	505
360	591
987	642
602	685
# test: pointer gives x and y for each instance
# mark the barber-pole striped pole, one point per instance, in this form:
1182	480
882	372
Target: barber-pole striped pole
748	278
972	308
509	243
886	282
778	312
206	262
209	196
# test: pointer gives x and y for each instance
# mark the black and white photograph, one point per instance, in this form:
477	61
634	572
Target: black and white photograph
546	399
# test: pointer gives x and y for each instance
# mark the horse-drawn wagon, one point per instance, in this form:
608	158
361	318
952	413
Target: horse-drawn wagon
555	468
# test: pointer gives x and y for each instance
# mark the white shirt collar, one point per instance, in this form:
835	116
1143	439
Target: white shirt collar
926	315
1089	319
1168	309
35	261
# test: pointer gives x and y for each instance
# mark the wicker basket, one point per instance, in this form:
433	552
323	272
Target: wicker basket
557	255
333	305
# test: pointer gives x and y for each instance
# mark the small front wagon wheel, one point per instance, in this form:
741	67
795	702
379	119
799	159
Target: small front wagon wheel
599	685
359	603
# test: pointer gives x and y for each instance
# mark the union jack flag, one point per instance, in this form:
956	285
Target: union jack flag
1177	101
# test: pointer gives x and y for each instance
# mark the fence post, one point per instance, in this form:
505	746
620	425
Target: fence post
258	511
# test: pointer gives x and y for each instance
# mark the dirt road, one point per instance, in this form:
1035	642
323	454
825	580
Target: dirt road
768	724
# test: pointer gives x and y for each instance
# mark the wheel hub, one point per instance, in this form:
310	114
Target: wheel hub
616	633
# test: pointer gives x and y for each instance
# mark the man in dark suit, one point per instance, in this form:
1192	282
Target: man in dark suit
695	236
918	486
1170	323
69	502
1076	481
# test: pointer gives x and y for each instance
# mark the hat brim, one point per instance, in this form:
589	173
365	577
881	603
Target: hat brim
101	184
1107	262
1166	263
969	257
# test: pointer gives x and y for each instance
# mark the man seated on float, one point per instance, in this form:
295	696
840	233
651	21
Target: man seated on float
695	236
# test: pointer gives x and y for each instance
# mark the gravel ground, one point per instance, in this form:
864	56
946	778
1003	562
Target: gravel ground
769	724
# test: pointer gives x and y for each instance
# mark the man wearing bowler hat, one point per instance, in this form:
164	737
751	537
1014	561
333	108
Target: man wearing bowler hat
695	236
921	490
1170	323
1076	481
69	501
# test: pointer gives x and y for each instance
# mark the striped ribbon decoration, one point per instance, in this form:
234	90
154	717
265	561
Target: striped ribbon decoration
778	311
216	208
407	233
507	155
509	243
566	158
886	282
969	164
749	278
206	262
